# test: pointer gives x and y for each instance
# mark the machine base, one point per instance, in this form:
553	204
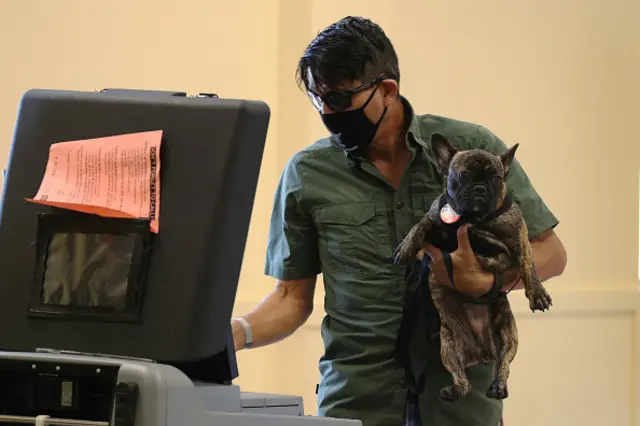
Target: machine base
99	390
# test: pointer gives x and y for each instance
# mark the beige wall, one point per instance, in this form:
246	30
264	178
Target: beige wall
558	77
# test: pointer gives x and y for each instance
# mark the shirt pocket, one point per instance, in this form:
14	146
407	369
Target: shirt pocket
355	253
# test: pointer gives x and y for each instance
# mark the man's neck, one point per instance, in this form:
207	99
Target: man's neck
390	146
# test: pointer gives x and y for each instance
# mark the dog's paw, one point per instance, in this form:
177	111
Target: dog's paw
498	390
403	253
539	299
450	394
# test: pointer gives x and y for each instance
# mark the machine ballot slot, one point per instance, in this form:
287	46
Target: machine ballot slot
89	267
75	391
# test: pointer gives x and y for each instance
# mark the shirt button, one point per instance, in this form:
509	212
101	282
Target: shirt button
399	205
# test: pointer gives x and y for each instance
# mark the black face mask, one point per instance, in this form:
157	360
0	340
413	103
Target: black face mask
353	130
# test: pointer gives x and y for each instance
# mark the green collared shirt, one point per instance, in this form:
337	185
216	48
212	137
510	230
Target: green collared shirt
337	215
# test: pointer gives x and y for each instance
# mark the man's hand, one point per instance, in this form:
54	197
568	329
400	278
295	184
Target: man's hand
468	276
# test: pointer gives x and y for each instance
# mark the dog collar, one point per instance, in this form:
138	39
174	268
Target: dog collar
449	216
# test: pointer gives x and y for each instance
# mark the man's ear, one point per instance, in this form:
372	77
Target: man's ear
507	159
443	152
389	89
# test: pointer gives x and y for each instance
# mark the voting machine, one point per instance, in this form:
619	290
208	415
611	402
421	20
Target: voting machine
123	222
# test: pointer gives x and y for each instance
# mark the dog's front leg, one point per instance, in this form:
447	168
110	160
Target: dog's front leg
539	298
414	240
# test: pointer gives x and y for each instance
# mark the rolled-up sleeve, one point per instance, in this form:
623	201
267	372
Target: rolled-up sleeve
292	245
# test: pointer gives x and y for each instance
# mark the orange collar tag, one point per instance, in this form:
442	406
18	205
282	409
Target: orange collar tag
448	214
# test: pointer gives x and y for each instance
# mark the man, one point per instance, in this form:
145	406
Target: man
342	206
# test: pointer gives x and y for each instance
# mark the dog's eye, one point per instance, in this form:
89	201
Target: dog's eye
463	176
497	179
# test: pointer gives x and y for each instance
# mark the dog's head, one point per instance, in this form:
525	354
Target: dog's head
474	179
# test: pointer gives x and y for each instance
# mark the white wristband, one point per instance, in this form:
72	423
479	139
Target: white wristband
248	335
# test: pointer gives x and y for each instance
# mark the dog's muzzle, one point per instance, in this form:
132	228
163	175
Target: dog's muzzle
475	197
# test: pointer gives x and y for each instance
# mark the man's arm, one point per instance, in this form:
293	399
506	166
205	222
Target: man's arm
549	257
279	315
292	259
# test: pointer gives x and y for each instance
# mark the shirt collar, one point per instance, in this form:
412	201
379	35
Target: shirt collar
413	130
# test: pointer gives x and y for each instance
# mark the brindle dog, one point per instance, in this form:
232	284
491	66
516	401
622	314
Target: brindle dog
475	192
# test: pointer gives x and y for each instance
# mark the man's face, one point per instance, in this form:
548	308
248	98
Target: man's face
354	112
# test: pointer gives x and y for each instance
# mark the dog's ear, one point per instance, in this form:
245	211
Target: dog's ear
507	159
443	152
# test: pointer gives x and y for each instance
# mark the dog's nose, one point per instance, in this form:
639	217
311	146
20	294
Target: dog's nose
480	191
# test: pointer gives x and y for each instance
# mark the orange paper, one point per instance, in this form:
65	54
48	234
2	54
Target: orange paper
116	176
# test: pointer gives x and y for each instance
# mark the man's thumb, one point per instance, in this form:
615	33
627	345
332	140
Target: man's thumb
463	239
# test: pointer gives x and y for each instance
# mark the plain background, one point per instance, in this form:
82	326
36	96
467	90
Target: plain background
559	77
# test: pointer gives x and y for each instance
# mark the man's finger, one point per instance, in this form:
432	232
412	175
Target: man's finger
433	252
463	239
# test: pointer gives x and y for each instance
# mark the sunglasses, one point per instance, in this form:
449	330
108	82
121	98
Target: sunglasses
340	100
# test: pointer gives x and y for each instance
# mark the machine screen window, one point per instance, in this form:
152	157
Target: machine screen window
88	270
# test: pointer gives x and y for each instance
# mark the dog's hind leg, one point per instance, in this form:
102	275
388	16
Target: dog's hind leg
506	346
452	359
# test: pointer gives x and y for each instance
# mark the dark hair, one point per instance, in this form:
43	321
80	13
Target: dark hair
352	49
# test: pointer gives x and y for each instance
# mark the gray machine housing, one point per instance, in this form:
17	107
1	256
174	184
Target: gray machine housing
153	369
